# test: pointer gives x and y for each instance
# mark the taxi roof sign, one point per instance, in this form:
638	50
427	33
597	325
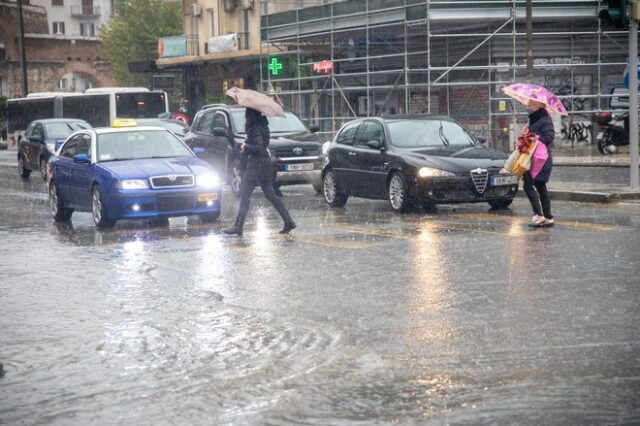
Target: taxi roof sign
124	122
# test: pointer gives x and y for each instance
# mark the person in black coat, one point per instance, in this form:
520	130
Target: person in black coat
536	189
259	170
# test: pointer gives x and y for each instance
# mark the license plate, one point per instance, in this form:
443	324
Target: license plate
213	196
298	167
503	180
599	136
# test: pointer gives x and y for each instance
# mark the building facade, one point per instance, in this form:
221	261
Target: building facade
62	47
331	61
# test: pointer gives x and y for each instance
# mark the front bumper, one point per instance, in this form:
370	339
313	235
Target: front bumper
460	189
154	203
283	175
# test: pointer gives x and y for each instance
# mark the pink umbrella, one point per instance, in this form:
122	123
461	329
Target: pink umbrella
256	100
525	92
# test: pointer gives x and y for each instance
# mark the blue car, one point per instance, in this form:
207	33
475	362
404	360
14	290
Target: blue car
131	173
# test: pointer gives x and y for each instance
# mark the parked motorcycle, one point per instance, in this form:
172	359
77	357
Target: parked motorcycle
614	132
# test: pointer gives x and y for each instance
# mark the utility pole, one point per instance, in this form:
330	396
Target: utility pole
23	61
633	94
529	41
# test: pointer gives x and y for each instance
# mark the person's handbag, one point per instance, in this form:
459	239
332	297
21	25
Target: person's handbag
539	157
526	148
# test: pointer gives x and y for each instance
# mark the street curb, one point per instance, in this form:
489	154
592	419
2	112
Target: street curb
588	196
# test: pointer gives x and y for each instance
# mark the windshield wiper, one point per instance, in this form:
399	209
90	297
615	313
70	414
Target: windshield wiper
445	141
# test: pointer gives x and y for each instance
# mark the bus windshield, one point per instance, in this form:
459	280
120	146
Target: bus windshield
140	105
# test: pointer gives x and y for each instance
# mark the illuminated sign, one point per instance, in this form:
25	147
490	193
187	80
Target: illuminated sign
275	66
323	66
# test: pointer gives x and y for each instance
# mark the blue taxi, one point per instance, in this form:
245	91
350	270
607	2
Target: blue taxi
131	172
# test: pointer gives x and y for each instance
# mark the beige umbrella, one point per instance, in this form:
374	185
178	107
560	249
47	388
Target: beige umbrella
256	100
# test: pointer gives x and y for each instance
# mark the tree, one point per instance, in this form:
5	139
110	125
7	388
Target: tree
132	35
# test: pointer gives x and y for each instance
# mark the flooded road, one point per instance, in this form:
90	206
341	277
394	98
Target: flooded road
360	316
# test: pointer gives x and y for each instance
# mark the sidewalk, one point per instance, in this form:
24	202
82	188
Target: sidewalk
576	177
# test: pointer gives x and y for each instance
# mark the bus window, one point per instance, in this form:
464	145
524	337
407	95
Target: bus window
140	105
93	108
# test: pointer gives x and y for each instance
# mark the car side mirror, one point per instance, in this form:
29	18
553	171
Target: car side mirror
374	144
81	158
314	128
481	139
199	151
221	132
35	138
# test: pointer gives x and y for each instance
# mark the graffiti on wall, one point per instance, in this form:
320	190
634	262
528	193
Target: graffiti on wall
569	90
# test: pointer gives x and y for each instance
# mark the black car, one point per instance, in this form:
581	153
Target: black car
295	149
39	142
414	160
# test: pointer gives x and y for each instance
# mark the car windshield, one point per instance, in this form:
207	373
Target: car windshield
287	124
62	130
427	133
133	145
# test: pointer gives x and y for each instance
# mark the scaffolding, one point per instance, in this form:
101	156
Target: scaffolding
448	57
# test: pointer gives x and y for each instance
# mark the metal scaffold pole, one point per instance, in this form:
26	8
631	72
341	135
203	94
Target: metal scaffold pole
633	98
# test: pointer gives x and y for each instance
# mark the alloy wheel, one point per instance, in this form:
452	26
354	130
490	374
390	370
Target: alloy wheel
329	187
53	200
96	206
396	192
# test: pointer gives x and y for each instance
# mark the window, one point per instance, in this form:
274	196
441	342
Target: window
220	120
71	148
62	84
204	124
87	29
57	3
58	28
348	134
371	131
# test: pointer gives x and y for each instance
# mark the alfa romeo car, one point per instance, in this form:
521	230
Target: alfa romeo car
414	160
131	173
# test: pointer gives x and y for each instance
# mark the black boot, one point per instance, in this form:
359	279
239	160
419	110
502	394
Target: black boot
236	229
288	226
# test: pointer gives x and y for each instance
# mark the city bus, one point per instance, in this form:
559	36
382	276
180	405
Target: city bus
98	106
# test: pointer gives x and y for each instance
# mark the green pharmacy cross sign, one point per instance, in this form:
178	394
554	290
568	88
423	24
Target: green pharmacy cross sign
275	66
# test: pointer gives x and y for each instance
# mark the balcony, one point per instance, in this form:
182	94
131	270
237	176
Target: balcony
176	46
85	11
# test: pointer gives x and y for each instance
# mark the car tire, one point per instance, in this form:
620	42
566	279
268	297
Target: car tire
398	194
331	191
43	169
59	212
235	178
500	204
209	217
605	141
98	210
22	171
318	187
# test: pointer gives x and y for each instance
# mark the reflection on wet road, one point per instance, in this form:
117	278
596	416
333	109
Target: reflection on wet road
360	316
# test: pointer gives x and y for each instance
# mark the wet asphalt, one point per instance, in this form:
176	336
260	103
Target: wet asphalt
360	316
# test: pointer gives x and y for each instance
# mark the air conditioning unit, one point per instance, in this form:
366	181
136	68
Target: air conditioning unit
229	5
196	9
247	4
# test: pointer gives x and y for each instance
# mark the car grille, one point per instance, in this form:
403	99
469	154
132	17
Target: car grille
297	151
175	202
171	181
480	178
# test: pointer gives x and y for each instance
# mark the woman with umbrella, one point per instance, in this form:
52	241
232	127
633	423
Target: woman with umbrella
539	102
259	167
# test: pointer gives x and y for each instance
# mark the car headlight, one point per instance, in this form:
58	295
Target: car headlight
325	147
426	172
208	180
134	184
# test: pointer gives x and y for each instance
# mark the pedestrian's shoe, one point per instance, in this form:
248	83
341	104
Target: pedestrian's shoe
535	218
548	223
234	230
288	226
537	222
